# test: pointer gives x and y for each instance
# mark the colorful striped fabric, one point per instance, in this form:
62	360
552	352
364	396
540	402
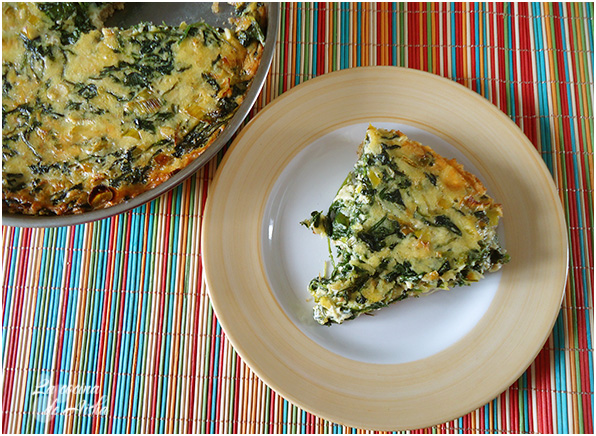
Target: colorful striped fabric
107	327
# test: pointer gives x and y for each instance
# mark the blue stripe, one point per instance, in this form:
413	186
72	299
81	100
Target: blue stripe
511	102
475	17
215	375
345	35
560	374
285	417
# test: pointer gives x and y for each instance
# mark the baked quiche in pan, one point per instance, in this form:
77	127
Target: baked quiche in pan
92	116
405	222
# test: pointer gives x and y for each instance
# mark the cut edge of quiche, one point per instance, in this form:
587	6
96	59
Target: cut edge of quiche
406	222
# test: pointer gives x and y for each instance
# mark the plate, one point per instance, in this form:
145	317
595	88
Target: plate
171	14
418	362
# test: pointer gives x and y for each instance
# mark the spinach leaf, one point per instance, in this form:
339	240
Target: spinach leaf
393	196
71	19
374	237
444	221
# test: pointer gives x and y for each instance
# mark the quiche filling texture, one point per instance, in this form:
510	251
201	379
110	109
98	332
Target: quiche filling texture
405	222
92	116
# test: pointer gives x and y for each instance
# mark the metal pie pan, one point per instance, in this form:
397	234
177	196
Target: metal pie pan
172	14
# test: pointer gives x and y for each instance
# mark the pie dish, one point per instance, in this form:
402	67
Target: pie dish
118	130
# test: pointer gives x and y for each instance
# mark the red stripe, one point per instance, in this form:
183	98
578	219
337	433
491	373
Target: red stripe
422	41
412	35
459	54
544	389
502	59
237	405
473	60
445	38
284	35
322	10
515	407
272	419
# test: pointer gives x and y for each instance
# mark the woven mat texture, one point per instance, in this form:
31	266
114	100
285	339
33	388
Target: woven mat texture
113	316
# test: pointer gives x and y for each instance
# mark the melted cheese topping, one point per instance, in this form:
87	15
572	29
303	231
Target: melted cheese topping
406	222
92	116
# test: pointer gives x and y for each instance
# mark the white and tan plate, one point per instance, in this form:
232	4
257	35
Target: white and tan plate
418	362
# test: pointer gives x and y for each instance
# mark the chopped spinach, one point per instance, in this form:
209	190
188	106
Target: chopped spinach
253	33
88	91
71	20
209	34
374	237
444	221
393	196
144	124
14	181
208	77
432	178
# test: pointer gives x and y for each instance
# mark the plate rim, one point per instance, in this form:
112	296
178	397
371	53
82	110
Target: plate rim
303	88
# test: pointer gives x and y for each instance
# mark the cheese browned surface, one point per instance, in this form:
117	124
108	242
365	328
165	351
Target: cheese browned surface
405	222
93	116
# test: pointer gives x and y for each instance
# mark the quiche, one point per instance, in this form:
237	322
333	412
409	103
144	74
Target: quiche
405	222
92	116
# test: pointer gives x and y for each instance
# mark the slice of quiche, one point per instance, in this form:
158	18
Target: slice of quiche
405	222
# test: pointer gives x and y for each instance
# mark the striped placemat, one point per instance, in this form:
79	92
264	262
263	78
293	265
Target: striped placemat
107	327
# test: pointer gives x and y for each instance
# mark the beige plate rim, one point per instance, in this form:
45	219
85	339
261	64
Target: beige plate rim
409	395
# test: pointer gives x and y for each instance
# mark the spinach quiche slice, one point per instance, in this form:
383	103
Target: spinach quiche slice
405	222
92	116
